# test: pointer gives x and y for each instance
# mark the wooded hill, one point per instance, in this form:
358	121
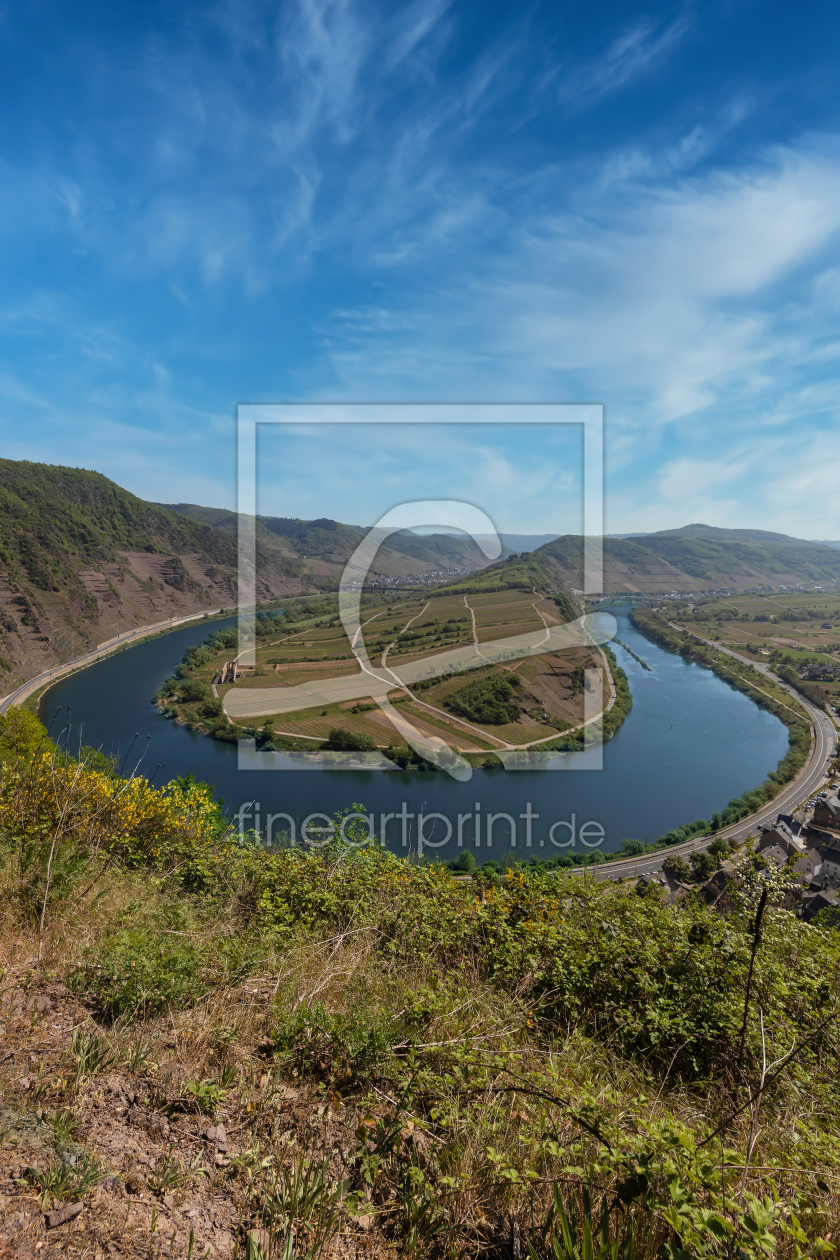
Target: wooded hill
81	559
700	557
324	546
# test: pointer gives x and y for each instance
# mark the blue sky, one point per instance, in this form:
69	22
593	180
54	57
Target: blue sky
527	478
203	205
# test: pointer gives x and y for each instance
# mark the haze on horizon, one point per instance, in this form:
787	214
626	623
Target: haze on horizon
348	200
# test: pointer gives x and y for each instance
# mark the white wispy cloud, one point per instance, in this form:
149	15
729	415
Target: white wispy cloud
634	52
340	185
693	306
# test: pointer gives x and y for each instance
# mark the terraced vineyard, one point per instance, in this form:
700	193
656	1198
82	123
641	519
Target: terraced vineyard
481	670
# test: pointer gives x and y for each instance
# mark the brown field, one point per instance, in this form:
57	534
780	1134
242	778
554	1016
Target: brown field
506	612
792	628
504	630
550	705
499	597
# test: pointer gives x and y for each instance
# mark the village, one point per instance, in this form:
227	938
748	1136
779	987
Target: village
804	846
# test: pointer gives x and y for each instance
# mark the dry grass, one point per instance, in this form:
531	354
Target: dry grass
434	1093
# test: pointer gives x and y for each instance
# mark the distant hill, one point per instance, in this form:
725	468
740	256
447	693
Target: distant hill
711	554
714	534
81	559
700	557
326	545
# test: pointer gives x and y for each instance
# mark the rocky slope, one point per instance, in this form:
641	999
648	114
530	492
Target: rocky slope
81	560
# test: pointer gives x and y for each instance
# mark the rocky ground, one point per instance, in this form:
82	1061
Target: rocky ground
98	1160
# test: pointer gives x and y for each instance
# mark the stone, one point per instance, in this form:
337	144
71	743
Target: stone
217	1134
62	1215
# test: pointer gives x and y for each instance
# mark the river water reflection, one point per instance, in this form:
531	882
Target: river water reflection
689	745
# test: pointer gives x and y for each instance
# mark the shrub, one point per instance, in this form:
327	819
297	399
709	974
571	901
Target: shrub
138	974
331	1044
65	823
21	735
349	741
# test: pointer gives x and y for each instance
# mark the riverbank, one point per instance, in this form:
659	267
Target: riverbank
189	697
746	680
31	691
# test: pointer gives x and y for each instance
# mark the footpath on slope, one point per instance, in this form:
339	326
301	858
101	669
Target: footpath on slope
103	649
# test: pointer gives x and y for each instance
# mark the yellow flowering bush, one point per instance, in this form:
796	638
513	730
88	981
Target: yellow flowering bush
98	814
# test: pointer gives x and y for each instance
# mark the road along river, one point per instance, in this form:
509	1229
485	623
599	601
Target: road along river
689	745
810	777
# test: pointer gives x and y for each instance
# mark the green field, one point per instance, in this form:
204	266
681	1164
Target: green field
310	644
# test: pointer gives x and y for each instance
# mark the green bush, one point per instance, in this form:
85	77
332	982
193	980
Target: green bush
631	848
349	741
138	974
326	1044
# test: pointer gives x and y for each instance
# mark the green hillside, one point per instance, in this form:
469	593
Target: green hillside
331	542
225	522
81	559
700	556
54	520
567	551
702	551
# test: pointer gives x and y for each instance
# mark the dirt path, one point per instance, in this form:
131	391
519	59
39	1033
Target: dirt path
405	627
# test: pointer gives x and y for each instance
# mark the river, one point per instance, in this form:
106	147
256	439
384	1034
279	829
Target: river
689	745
